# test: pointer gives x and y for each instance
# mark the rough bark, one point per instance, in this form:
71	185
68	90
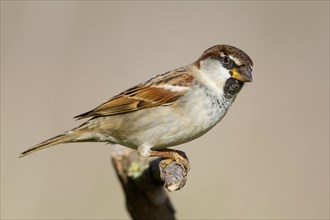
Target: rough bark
143	183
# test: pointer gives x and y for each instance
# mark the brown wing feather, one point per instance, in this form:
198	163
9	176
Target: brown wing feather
150	94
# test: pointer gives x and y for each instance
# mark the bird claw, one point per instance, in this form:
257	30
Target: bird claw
173	156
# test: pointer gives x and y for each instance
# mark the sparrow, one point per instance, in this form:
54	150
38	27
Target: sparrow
167	110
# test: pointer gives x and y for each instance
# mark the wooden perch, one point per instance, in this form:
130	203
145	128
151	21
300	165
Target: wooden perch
143	183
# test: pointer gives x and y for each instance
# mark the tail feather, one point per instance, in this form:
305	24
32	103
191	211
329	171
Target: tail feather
59	139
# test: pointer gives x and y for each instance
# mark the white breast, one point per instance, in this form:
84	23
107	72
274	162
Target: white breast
165	126
193	116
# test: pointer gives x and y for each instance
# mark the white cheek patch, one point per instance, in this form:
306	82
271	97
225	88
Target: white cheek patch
214	68
223	72
214	75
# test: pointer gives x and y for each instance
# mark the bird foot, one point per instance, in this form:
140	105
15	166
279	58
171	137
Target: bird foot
172	155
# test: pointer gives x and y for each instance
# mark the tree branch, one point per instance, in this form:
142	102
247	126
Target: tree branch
143	182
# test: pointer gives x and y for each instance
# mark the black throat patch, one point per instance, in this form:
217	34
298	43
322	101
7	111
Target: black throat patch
232	87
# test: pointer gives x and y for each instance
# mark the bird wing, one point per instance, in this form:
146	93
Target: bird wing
163	89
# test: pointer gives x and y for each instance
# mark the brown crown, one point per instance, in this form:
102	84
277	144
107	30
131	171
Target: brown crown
215	53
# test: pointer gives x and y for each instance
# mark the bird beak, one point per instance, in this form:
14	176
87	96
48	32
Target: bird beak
242	73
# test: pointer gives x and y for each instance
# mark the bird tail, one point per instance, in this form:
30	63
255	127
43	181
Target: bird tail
67	137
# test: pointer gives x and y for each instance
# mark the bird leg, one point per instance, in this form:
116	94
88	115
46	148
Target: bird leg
172	155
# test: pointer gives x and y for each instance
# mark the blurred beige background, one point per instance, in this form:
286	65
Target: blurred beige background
268	158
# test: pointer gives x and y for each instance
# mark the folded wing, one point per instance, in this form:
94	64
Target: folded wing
163	89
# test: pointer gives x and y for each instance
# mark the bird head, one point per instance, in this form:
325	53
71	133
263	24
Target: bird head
225	64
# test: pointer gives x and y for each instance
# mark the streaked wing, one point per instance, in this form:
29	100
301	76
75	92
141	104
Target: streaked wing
163	89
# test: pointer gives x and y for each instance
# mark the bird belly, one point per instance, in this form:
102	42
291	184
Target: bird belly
167	126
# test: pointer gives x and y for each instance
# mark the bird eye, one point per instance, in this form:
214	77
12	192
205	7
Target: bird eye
226	60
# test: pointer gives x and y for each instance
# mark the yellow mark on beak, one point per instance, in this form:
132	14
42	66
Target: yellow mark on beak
244	76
